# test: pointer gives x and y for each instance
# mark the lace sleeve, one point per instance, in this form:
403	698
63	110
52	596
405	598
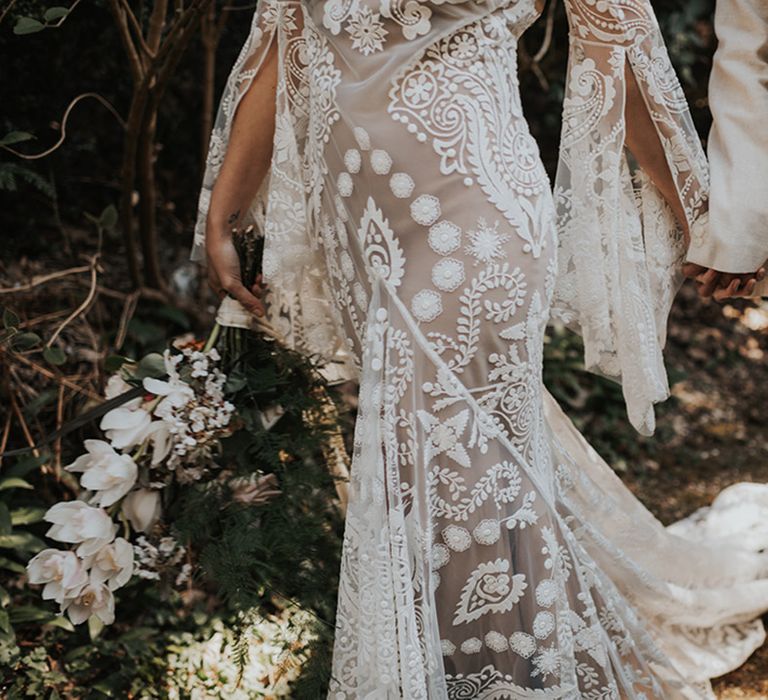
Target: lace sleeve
298	303
620	249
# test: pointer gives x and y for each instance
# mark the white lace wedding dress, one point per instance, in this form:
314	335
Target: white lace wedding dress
413	238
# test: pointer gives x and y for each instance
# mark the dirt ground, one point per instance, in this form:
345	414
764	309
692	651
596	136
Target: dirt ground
714	432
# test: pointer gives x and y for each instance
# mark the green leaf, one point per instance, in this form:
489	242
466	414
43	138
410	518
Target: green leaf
108	218
40	401
5	598
62	622
10	565
27	515
26	464
54	13
5	622
5	519
14	482
115	362
174	315
54	355
151	365
22	542
29	613
10	319
25	341
95	626
15	137
28	25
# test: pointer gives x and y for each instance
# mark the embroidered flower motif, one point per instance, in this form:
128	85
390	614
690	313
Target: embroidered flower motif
448	274
463	46
471	646
523	644
425	209
344	184
546	592
448	647
362	138
444	237
487	531
367	31
440	555
486	242
489	589
444	436
457	538
496	641
361	298
543	624
401	185
353	160
546	663
419	88
381	161
426	305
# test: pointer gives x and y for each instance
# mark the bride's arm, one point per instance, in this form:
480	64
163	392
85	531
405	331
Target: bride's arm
245	165
642	140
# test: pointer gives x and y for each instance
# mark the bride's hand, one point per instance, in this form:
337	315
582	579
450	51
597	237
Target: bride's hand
723	285
224	273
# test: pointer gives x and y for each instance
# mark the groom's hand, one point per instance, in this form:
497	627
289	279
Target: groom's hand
722	285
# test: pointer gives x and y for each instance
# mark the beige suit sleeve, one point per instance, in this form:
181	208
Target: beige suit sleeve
736	239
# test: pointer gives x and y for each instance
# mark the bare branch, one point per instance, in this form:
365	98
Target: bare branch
62	138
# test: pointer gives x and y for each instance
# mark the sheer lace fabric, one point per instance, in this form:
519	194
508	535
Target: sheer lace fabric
412	235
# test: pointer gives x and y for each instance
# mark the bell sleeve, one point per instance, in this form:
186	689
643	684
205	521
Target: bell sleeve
299	304
620	249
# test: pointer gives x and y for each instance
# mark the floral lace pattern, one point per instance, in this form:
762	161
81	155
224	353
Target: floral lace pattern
412	238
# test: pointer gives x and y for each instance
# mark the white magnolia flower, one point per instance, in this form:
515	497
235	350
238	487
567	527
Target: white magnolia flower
126	426
95	599
105	471
113	564
76	521
159	434
175	393
142	508
62	572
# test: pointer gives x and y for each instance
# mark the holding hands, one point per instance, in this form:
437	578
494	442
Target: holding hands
723	285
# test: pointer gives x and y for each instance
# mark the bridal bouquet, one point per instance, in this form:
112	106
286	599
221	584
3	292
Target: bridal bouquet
196	446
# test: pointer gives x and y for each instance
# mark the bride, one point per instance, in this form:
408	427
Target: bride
414	242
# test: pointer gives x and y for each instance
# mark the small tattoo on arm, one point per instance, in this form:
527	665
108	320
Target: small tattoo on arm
233	218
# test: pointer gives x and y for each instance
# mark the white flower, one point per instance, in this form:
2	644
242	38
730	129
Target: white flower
367	31
75	521
62	572
142	508
486	242
381	161
94	599
159	434
353	160
105	471
344	184
116	386
471	645
448	274
425	209
402	185
126	426
457	538
426	305
444	237
496	641
113	564
175	393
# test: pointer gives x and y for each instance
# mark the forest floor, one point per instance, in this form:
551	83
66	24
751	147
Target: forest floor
712	434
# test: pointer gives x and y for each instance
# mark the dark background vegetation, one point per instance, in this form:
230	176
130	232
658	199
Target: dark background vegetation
80	234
